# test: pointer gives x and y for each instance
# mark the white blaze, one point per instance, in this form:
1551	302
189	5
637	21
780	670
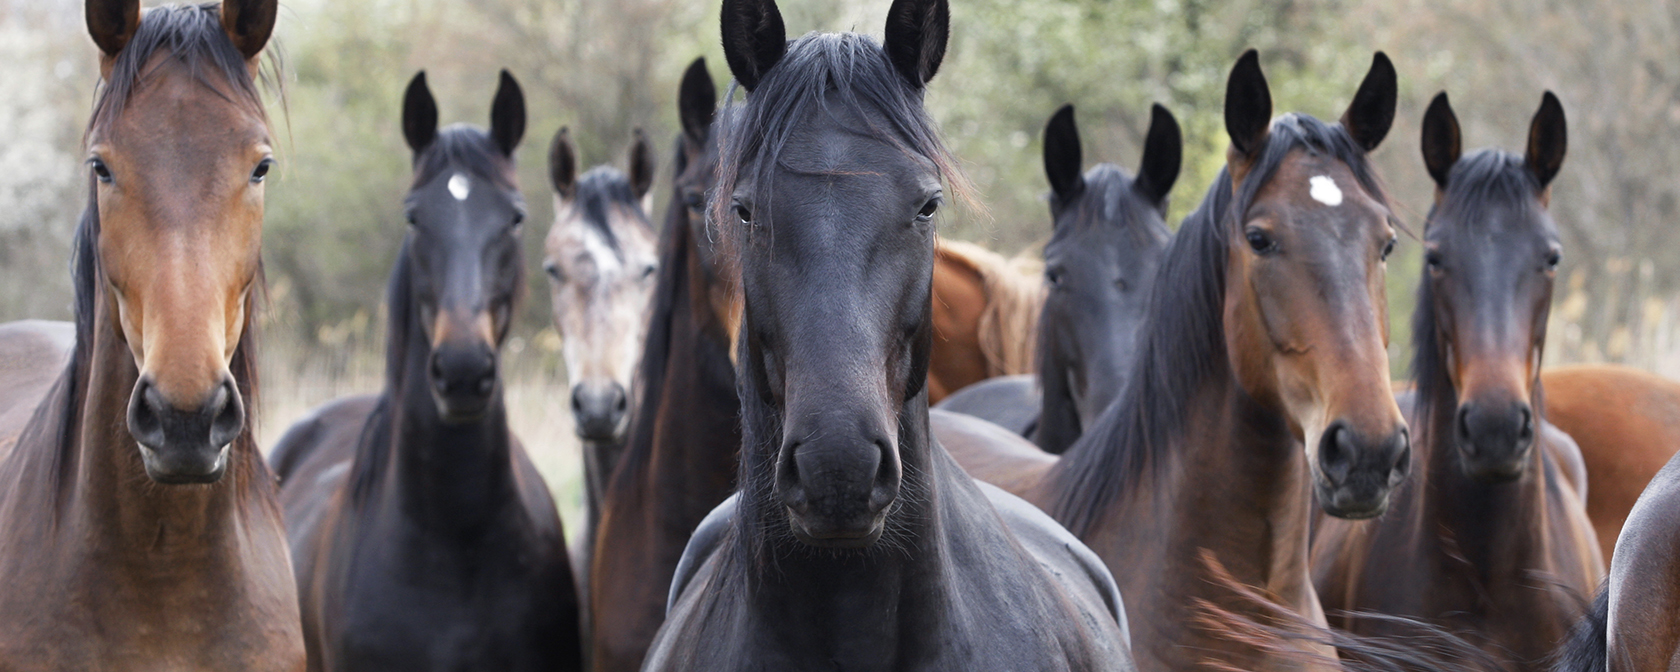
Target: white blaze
1324	190
460	186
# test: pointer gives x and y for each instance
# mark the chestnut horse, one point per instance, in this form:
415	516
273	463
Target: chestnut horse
856	542
1491	540
985	316
1261	380
423	536
679	459
138	523
1107	239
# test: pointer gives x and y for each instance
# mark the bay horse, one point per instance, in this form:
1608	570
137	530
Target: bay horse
1264	343
422	535
1107	237
1491	539
134	483
985	316
679	459
856	542
600	259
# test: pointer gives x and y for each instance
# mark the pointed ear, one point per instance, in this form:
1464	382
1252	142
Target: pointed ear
420	115
112	23
249	23
917	31
1248	105
753	39
1063	162
1548	140
1442	143
1163	152
641	165
507	114
1371	113
562	164
697	101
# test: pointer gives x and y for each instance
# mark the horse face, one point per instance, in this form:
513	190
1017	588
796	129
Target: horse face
178	176
602	263
1491	253
464	246
1306	312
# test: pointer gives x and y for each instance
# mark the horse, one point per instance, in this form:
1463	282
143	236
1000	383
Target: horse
600	259
856	542
131	482
422	535
1264	343
1107	237
985	313
679	459
1491	539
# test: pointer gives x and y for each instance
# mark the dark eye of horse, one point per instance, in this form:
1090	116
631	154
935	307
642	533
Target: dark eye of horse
1121	284
1260	242
1053	276
518	219
647	273
1433	259
743	214
553	271
926	213
694	201
261	173
101	171
1388	248
1553	258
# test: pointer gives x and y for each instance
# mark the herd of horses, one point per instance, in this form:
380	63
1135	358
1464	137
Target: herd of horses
1199	462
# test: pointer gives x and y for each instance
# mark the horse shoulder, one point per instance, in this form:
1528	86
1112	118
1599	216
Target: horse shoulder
1644	615
993	454
694	612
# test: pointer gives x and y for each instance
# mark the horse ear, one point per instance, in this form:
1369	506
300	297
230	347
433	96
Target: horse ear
1442	142
917	31
420	115
249	23
1248	105
507	114
641	165
1163	152
1548	140
754	39
1371	113
112	23
1063	163
697	100
562	163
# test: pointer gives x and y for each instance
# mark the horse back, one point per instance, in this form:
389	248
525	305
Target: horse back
994	455
33	354
1644	585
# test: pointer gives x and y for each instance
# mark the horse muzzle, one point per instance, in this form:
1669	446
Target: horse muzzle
185	446
837	490
1495	440
1356	473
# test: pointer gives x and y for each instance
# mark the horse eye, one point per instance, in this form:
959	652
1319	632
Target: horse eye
926	213
743	214
261	173
1053	276
101	171
1433	259
1388	248
647	273
694	201
518	219
1121	284
1553	258
1260	242
412	220
553	271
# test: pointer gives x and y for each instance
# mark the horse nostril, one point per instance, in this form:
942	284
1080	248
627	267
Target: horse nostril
1335	452
227	414
621	401
1527	424
144	420
577	399
1464	430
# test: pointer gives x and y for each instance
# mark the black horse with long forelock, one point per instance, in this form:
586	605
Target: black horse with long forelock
856	542
422	536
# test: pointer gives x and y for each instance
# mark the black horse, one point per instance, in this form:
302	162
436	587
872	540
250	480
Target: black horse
422	536
856	542
1106	244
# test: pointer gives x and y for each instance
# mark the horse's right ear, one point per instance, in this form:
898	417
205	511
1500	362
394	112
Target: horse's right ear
1248	106
641	165
249	23
754	39
917	31
1063	163
697	101
1548	140
112	23
562	164
1442	142
1163	153
420	115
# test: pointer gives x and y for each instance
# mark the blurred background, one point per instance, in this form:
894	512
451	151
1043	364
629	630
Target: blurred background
604	67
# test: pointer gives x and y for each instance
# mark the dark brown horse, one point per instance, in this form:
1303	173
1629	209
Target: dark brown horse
679	458
1491	539
154	543
423	536
856	543
1264	342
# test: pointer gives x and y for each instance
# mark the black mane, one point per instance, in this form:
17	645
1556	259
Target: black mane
1182	345
193	35
599	189
463	147
1108	188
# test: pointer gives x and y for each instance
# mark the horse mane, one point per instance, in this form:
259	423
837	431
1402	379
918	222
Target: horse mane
1108	189
1008	328
193	35
1181	347
599	189
463	146
1476	184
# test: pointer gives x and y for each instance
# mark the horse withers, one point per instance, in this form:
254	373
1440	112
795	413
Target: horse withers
133	483
423	537
856	542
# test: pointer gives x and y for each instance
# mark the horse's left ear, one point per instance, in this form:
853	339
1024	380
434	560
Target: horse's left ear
917	31
1163	152
754	39
507	114
1371	113
1548	140
641	165
249	23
